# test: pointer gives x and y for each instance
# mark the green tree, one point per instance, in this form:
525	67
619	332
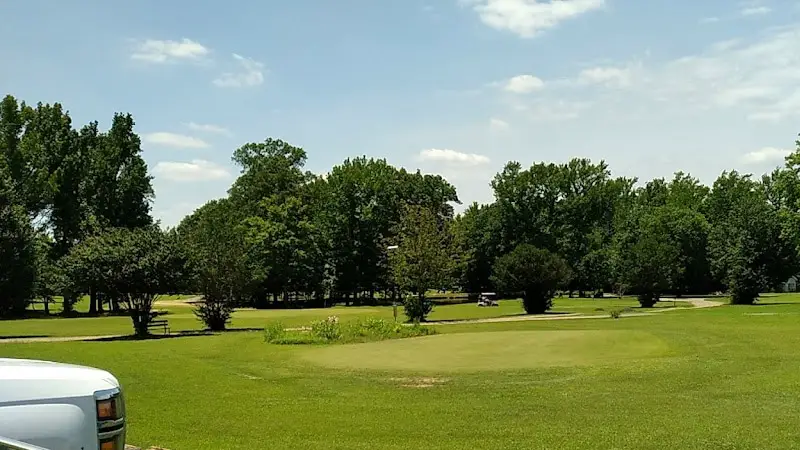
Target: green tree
568	209
476	233
748	248
272	169
285	246
17	252
132	266
217	261
535	272
364	205
660	249
422	260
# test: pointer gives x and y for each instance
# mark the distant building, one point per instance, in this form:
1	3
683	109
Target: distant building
789	285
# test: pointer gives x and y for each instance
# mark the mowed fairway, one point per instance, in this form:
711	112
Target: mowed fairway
498	350
718	378
181	318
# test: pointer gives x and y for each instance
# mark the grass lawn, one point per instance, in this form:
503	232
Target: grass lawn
718	378
181	317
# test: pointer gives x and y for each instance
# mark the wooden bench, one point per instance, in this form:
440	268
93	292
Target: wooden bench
160	323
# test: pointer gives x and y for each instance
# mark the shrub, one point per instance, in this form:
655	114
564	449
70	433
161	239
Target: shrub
372	328
417	330
648	300
274	332
330	331
615	313
215	313
535	272
417	308
327	330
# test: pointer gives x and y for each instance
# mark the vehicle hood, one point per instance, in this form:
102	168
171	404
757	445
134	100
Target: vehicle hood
23	379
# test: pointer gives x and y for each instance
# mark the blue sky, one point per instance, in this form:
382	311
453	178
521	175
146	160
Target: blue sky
455	87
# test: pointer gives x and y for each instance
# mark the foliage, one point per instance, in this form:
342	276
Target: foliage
749	250
423	259
274	331
18	255
330	330
215	313
535	272
216	261
417	307
327	330
130	266
567	209
660	248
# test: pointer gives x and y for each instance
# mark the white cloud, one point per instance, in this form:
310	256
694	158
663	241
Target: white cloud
250	74
758	77
452	157
557	110
527	18
608	76
162	51
709	20
207	128
765	116
766	155
523	84
166	139
196	170
498	124
755	11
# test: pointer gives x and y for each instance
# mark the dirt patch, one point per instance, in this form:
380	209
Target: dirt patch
419	382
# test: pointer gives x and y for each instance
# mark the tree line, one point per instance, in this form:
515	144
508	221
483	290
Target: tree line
75	220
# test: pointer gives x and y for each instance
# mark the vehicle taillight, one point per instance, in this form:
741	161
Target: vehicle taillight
110	406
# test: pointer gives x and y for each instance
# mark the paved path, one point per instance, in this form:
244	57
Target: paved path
31	340
695	302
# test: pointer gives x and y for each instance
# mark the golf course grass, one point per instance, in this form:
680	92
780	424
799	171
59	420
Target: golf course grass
181	317
499	350
715	378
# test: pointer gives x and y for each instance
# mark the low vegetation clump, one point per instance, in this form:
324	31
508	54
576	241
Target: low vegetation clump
331	331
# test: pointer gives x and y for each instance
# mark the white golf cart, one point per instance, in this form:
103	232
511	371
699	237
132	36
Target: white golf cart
487	299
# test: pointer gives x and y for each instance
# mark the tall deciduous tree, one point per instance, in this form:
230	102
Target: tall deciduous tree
422	260
748	248
217	261
17	251
660	249
477	236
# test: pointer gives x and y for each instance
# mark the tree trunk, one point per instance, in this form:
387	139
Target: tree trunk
47	306
99	297
92	301
140	322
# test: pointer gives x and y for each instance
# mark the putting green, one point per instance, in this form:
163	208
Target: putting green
492	351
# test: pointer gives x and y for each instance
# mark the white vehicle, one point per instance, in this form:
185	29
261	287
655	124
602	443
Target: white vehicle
487	299
51	406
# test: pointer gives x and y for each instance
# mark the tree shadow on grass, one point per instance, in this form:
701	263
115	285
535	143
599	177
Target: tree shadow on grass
769	304
29	336
175	335
150	337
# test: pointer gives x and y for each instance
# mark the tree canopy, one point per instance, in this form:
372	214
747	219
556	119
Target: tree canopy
75	218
